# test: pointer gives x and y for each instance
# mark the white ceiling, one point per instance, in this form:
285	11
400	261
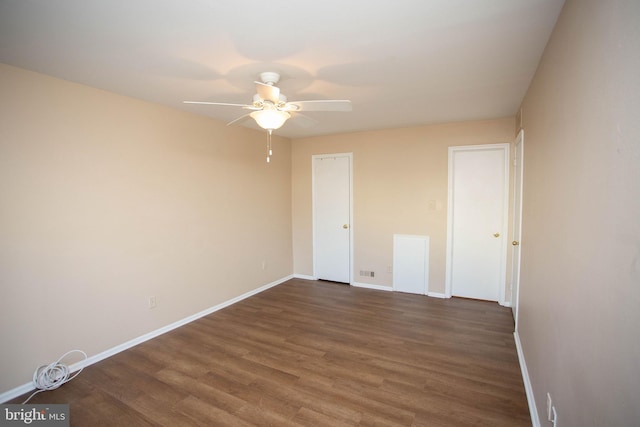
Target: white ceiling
401	62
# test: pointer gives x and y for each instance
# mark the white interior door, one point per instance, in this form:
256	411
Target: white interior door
477	228
332	217
518	163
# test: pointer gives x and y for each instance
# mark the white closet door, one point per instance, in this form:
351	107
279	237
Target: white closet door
332	225
478	197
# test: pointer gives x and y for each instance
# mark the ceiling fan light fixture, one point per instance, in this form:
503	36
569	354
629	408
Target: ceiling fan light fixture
270	119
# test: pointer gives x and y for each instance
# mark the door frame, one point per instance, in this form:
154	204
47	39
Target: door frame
517	225
313	209
505	225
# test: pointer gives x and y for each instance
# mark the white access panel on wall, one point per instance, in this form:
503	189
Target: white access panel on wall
411	263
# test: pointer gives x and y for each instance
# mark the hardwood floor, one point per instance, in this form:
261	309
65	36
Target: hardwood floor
310	353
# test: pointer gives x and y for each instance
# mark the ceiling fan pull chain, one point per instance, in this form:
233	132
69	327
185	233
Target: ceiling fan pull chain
269	146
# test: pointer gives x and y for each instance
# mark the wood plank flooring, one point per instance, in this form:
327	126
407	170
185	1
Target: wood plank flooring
308	353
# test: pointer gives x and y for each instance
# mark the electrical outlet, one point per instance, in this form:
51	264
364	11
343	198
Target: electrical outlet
264	264
549	406
152	302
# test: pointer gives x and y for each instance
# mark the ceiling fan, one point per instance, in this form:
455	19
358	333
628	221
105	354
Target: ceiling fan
270	108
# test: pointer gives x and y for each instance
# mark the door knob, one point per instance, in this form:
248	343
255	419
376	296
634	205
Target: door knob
345	226
515	243
496	234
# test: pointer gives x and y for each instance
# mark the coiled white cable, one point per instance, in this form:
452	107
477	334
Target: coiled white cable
53	375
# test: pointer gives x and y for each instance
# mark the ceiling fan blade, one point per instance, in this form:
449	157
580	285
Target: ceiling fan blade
322	105
302	120
268	92
239	120
217	103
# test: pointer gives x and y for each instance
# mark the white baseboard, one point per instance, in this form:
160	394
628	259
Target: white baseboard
533	410
390	289
370	286
26	388
436	295
18	391
304	277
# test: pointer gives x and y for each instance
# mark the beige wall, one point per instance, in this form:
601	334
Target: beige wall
106	200
580	287
396	173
